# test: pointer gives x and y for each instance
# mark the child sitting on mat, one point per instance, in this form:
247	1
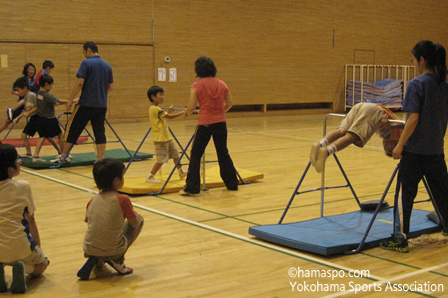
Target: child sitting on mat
161	137
19	241
113	225
47	123
361	122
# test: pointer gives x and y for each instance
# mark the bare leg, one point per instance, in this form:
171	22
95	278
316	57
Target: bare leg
5	125
39	146
335	134
26	142
156	168
175	159
38	270
61	142
329	138
100	149
343	142
67	146
55	145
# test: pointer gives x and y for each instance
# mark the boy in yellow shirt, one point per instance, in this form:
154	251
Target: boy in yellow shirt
161	137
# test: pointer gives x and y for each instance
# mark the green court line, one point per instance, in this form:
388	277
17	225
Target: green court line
81	175
223	216
293	207
271	210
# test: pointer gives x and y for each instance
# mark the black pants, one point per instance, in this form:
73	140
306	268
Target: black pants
80	117
411	170
227	170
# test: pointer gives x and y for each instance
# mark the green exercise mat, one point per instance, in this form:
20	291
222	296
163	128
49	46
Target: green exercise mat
83	159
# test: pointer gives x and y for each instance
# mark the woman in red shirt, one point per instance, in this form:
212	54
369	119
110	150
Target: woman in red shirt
214	100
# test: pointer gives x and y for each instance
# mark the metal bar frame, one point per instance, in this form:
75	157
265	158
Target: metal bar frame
58	165
323	188
183	153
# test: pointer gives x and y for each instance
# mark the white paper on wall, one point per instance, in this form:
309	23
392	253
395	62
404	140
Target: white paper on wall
161	74
173	75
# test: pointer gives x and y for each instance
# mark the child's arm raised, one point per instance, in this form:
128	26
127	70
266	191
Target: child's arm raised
175	115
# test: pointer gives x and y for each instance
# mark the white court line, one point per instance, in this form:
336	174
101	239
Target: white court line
59	181
386	280
210	228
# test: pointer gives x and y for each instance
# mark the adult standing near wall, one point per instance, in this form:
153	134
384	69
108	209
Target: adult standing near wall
214	99
94	81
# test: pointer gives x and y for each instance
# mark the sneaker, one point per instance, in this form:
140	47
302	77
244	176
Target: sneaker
3	284
151	179
184	193
120	267
59	159
9	114
182	173
321	158
38	159
314	153
27	155
399	245
18	284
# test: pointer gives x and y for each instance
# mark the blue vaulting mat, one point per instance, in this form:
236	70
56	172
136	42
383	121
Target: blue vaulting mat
339	233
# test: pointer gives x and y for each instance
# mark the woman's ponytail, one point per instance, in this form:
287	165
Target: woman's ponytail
440	63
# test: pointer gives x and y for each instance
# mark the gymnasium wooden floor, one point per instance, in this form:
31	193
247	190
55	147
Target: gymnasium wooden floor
200	247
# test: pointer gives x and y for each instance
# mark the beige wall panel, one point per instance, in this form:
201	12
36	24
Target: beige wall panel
16	60
282	51
57	53
132	69
258	58
268	52
66	20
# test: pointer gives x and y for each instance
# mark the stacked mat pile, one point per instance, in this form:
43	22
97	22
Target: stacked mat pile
388	92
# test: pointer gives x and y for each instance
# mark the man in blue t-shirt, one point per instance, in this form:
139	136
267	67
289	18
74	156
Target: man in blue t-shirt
94	81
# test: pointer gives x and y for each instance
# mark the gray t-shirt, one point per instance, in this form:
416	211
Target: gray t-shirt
45	104
428	98
30	101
